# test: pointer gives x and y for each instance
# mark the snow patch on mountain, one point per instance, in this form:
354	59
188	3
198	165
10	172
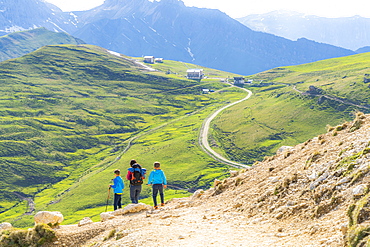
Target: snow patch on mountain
114	53
12	29
188	49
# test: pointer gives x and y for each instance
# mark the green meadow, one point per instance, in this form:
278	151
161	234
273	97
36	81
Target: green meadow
282	113
70	112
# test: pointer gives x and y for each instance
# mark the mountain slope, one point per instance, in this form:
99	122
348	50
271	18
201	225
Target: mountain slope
313	194
346	32
292	104
207	37
20	43
69	113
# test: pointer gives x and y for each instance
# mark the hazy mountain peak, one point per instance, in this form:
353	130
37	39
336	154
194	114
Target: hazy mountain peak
29	14
178	2
347	32
122	2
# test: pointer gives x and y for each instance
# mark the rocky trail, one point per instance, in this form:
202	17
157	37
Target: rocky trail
184	222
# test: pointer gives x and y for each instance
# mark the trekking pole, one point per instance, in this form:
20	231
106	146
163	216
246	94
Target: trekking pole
107	199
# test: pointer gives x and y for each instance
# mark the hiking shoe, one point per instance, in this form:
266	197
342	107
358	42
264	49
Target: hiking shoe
162	204
155	207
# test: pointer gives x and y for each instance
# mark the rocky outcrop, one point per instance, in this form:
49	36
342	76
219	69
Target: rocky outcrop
314	90
49	218
131	208
5	226
85	221
324	180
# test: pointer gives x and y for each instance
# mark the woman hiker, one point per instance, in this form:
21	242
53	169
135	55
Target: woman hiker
136	175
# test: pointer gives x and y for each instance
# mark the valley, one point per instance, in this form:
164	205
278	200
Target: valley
270	146
91	114
109	111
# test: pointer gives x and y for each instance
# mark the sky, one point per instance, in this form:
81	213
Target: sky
241	8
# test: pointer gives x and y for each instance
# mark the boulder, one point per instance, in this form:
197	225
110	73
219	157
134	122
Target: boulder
233	173
131	208
197	194
135	208
359	190
274	179
5	226
343	228
46	217
216	182
343	181
283	149
85	221
314	184
106	216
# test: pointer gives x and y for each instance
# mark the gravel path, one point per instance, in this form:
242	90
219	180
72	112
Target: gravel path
203	137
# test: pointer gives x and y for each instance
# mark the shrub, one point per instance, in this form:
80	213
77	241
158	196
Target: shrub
34	237
357	122
110	235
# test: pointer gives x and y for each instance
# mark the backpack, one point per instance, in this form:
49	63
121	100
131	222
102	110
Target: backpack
137	175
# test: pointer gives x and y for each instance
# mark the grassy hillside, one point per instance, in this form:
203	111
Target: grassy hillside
68	113
20	43
284	111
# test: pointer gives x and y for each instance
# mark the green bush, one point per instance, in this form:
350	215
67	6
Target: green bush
34	237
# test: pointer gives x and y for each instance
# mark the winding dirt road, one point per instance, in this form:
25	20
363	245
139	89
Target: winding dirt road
203	136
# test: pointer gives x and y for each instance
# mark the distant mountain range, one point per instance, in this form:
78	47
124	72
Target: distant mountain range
347	32
20	15
20	43
170	30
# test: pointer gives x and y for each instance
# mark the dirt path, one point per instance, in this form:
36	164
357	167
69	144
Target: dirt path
203	136
186	222
189	222
31	203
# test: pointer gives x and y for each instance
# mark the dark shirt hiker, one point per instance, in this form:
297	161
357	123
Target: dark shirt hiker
136	175
158	181
117	186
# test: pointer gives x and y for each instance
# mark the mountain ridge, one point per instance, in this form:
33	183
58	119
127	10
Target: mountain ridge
24	15
173	31
209	37
21	43
346	32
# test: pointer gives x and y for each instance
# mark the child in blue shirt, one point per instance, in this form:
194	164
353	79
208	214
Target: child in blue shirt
118	189
158	181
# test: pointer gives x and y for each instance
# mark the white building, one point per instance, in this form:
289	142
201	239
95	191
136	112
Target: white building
149	59
195	74
239	80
